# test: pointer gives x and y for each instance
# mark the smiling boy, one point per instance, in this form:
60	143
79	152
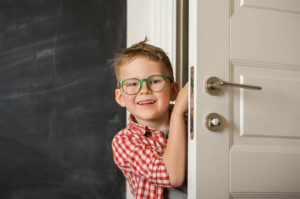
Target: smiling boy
151	150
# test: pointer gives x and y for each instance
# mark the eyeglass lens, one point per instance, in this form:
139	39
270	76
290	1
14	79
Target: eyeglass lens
154	83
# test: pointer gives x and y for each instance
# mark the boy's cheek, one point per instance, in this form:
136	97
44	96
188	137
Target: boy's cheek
167	95
128	99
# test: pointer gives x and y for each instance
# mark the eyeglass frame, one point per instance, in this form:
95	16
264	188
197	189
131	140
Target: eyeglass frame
145	80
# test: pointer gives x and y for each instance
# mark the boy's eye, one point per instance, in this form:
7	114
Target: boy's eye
155	81
132	84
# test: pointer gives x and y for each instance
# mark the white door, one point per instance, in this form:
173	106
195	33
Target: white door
257	154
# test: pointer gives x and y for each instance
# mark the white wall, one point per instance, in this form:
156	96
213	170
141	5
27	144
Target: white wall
138	20
155	19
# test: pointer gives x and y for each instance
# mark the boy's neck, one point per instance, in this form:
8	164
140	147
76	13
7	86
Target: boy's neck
159	124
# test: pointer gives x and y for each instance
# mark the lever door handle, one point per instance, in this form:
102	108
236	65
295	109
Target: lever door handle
214	85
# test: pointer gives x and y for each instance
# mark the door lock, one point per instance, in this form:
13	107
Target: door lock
214	122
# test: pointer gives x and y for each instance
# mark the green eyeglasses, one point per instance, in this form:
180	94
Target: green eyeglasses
155	83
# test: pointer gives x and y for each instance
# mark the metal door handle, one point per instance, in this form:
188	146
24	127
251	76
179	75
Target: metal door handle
214	85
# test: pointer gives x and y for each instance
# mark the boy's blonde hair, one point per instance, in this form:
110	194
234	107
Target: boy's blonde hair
142	49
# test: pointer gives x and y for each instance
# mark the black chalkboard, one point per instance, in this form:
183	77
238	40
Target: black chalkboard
57	110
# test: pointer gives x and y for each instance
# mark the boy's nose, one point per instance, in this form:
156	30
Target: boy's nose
144	88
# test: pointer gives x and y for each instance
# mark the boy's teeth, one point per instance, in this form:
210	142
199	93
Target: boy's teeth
148	102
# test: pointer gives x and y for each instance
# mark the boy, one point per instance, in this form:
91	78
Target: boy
150	162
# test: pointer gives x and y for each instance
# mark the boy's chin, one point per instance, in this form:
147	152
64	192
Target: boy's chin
150	117
145	118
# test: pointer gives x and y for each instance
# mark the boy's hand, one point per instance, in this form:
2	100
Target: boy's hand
181	104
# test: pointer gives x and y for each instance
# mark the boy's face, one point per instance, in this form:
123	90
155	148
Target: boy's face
146	105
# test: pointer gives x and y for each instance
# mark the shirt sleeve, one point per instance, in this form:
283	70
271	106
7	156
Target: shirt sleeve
133	156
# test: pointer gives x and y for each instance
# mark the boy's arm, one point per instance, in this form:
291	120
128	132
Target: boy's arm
175	154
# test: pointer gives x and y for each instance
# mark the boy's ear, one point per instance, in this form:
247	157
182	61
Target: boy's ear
174	91
119	98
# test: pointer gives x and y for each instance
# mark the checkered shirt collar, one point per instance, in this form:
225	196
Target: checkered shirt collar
142	128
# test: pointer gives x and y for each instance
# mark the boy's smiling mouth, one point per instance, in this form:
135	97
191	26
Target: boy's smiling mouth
142	102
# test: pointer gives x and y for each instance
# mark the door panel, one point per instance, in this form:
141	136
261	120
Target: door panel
260	169
265	34
292	6
272	112
265	46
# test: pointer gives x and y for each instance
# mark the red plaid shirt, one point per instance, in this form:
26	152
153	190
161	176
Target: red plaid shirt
137	150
